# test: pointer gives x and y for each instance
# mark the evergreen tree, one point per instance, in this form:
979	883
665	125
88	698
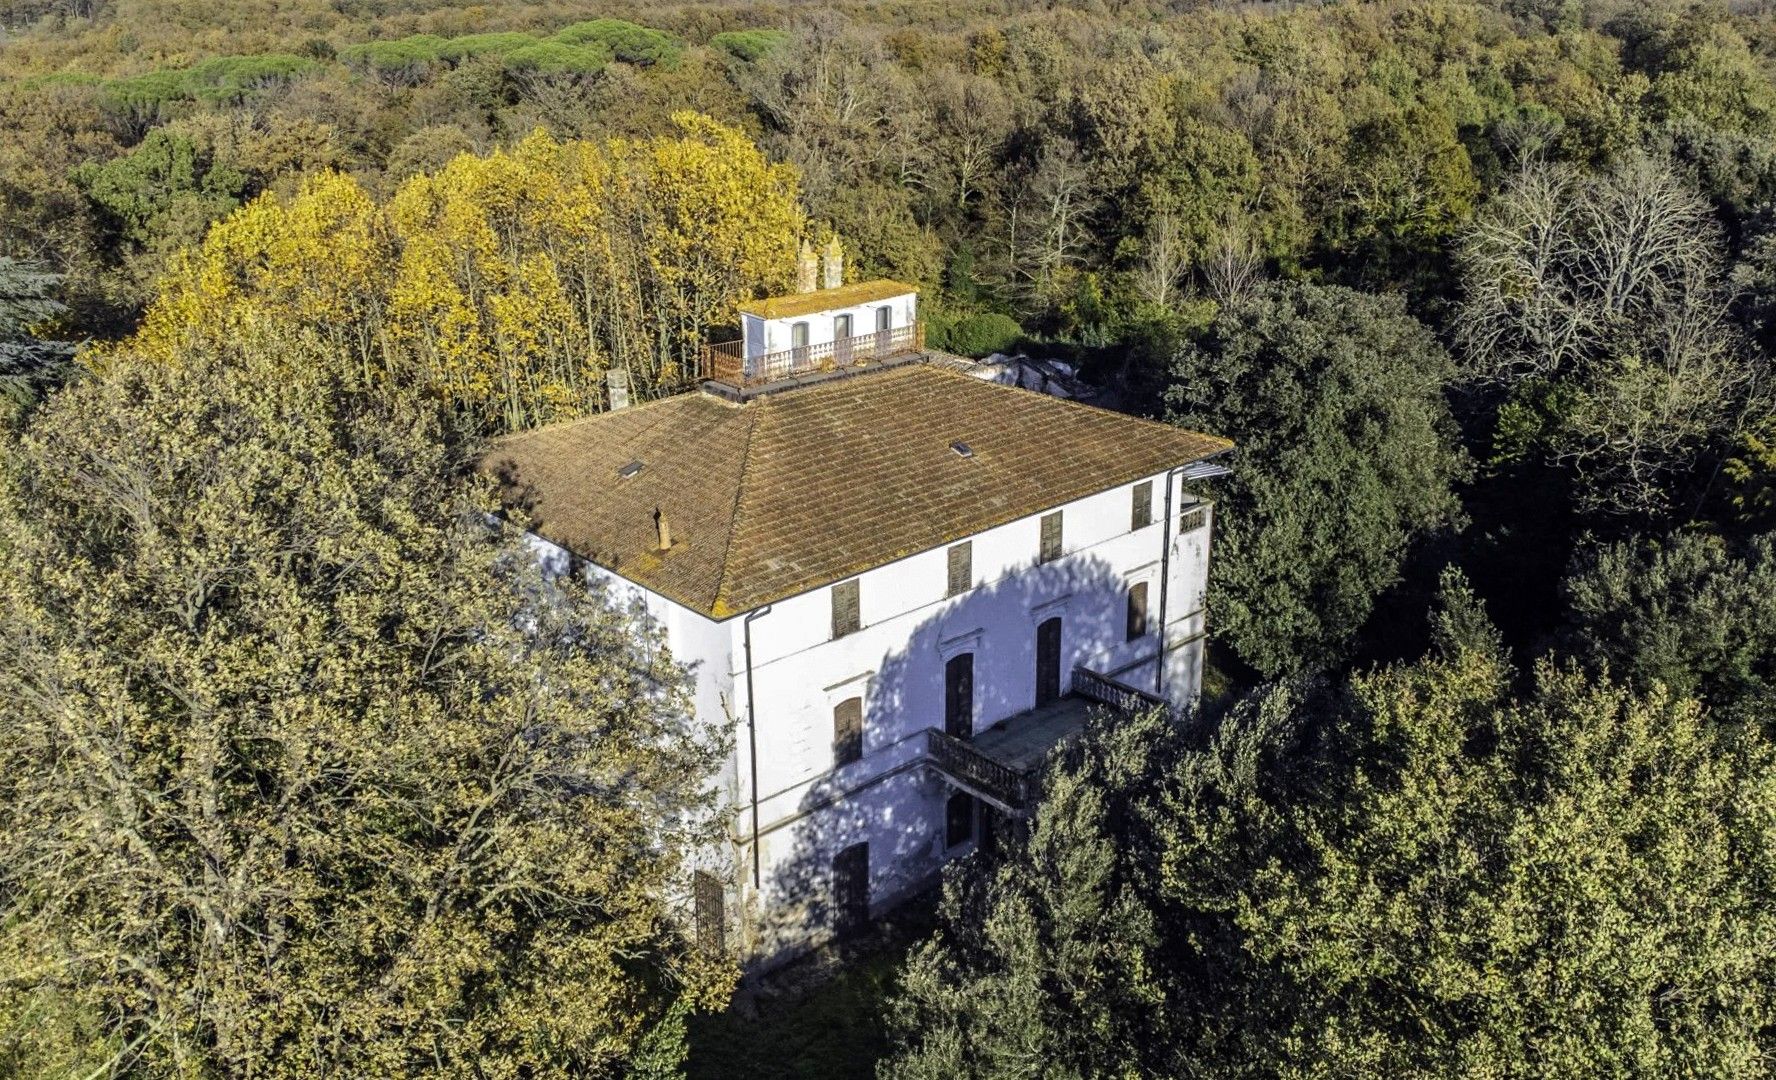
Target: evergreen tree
1423	873
29	366
1345	455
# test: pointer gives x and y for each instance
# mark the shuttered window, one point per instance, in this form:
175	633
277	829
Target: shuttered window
961	568
1141	512
710	919
846	617
1137	610
847	731
1051	537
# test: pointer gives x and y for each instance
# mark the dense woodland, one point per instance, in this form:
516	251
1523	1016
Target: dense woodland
300	761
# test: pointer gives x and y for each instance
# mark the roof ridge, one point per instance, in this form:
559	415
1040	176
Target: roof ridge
718	603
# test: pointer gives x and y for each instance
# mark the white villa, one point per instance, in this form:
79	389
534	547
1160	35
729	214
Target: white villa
899	585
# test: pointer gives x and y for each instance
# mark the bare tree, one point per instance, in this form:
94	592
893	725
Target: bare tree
1607	291
1165	256
1234	268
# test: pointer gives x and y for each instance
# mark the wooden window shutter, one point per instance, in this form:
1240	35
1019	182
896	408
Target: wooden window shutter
1141	513
708	916
847	731
961	568
1051	537
1137	610
846	614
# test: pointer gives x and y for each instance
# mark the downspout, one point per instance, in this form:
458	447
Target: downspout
752	743
1165	579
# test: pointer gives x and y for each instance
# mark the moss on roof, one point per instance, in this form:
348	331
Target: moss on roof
796	304
796	490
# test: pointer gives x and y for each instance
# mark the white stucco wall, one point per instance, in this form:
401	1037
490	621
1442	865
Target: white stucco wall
773	335
807	809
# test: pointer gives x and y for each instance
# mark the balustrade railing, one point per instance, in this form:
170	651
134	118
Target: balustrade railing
1113	692
976	769
1192	518
727	361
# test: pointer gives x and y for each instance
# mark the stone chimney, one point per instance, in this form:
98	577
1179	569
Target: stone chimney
807	269
664	529
832	265
616	384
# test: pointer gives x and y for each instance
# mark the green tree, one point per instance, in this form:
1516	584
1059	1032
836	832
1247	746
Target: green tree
1345	455
1419	874
1687	612
30	366
307	769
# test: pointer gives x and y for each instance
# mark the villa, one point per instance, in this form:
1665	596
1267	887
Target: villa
898	585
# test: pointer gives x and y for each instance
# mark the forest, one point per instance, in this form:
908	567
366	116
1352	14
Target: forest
300	761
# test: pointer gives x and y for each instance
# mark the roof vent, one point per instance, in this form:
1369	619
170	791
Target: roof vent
628	470
962	449
663	529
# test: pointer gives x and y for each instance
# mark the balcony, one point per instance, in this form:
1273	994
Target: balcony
1001	765
727	363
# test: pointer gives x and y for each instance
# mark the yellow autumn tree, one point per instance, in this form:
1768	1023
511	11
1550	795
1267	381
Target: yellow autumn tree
318	260
507	284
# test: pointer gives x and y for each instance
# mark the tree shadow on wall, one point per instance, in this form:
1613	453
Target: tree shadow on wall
892	799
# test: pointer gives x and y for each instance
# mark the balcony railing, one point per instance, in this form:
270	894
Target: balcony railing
1113	692
1000	782
726	362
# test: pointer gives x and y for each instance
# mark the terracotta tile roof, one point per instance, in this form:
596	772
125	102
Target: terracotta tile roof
796	490
810	303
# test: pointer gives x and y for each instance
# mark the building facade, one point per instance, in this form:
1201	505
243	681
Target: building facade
897	585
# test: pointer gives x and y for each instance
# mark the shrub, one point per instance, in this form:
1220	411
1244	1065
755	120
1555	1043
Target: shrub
749	45
458	49
625	41
557	58
988	332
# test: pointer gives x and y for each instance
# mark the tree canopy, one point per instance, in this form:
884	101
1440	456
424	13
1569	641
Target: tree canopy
1345	455
1423	872
307	769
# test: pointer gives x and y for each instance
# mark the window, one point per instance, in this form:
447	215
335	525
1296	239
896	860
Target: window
1137	610
798	335
884	317
846	618
841	327
1141	513
1051	537
961	568
958	819
847	731
709	919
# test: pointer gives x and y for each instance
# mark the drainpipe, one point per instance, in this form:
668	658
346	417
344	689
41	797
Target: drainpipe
752	742
1165	579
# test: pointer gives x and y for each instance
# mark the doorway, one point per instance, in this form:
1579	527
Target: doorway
959	696
851	889
1048	662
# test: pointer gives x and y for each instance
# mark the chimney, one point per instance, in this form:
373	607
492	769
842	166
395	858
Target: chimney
807	270
661	527
832	265
616	384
